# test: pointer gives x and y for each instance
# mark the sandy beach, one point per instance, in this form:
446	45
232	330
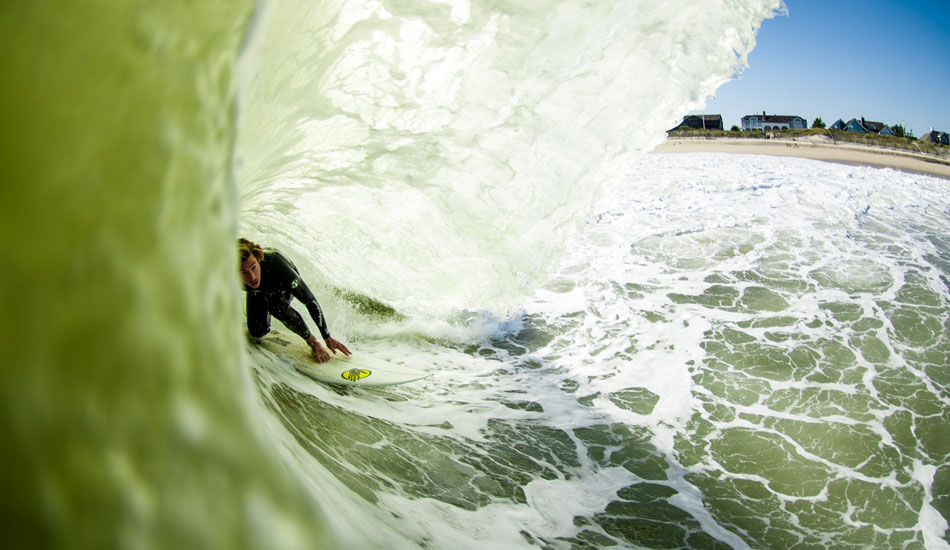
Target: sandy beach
813	149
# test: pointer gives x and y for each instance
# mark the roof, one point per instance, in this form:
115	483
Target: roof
774	118
700	121
706	117
933	136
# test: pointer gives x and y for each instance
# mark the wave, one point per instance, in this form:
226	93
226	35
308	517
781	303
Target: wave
434	158
439	158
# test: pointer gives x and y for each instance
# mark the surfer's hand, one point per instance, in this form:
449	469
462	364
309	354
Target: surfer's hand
320	355
336	346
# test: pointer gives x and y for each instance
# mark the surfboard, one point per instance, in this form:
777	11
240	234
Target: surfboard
359	369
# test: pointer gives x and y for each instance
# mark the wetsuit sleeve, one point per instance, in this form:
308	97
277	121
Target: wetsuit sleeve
302	293
291	281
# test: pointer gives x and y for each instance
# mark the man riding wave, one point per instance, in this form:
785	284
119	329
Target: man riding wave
272	281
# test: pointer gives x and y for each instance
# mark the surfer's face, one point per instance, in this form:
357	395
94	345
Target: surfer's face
251	272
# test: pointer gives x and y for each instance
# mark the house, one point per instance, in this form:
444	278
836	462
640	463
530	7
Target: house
854	125
701	122
934	136
864	126
767	123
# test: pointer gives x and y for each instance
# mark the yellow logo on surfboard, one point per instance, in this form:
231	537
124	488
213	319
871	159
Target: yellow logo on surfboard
356	374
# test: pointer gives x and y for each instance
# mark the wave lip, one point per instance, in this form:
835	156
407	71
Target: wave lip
438	157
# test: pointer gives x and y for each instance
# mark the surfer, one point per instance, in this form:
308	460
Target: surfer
271	282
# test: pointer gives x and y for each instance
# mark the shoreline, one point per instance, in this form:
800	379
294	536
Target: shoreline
811	149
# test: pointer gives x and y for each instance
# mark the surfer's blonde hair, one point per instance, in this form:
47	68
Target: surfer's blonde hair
246	249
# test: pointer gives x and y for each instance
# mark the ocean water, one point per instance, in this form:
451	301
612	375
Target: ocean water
737	352
627	350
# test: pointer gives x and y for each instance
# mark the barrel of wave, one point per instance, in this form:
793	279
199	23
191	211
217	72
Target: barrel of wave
128	418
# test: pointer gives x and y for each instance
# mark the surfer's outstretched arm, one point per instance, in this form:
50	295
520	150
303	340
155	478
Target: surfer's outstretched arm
302	292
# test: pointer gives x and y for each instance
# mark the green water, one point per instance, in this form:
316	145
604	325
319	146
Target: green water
126	414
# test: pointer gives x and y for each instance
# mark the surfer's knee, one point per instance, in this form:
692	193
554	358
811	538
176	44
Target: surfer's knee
258	331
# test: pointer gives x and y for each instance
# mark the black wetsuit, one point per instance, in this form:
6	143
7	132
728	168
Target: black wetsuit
281	283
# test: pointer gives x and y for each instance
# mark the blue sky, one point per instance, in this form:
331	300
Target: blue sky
885	60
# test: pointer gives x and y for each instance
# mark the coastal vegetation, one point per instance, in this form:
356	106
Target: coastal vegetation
820	135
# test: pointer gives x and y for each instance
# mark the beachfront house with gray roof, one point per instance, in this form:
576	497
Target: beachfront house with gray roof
864	126
700	122
767	123
934	136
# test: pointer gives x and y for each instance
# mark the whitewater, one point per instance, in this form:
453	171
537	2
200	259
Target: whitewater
738	352
626	349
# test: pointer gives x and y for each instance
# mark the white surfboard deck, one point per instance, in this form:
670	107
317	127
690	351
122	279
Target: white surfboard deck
359	369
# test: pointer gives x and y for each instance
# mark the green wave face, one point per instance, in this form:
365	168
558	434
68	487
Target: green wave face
128	416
